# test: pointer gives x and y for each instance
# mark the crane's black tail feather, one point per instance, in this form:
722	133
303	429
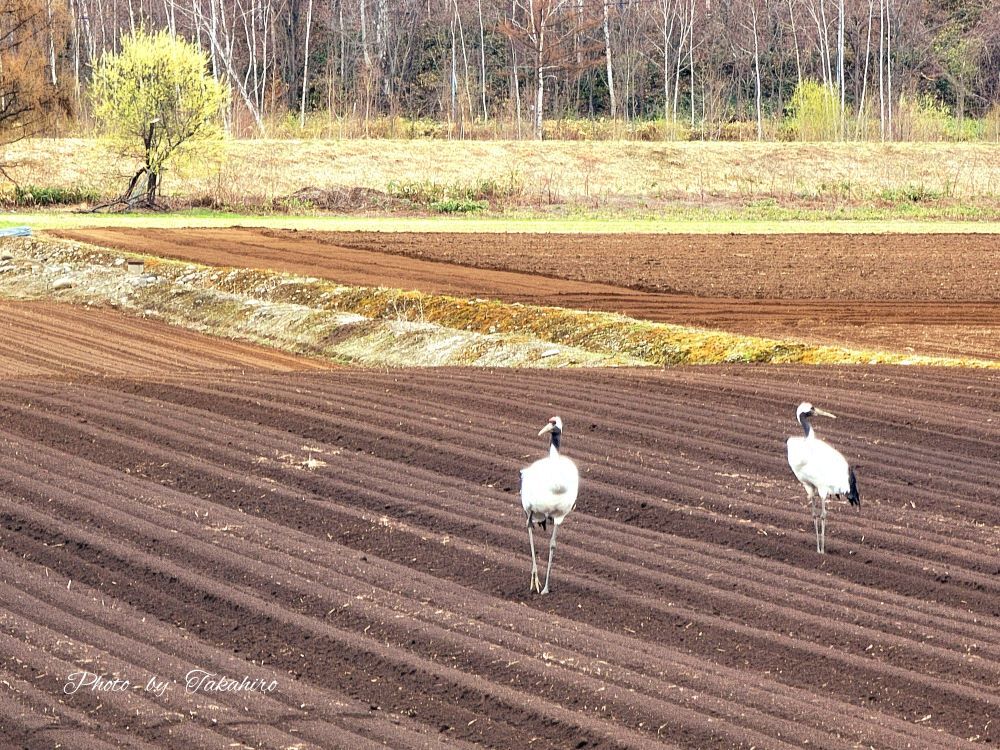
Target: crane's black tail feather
853	496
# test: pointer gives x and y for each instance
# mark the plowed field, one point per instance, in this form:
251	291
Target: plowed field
930	294
356	537
40	338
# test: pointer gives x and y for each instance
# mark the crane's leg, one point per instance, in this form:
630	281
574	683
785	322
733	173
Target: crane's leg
816	515
552	552
534	584
822	523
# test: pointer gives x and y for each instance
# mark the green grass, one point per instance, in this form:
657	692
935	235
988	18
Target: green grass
43	220
459	206
34	195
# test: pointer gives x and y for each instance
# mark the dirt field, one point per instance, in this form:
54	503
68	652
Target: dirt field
920	293
48	339
356	536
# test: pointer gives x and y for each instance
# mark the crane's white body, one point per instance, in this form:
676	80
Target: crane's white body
819	466
821	469
549	487
548	493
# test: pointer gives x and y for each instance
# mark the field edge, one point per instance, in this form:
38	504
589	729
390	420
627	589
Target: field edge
381	326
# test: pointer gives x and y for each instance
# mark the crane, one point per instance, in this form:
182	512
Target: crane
548	493
821	469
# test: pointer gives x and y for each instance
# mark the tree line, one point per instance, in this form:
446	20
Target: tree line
715	68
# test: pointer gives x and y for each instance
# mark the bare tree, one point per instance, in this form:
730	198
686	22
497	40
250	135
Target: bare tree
543	29
691	59
482	59
795	39
606	25
868	49
840	64
756	68
305	67
412	57
668	18
29	97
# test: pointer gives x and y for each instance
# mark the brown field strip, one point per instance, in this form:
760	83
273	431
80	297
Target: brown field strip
936	295
355	535
42	338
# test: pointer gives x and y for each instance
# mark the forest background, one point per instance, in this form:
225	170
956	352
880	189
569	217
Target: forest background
876	70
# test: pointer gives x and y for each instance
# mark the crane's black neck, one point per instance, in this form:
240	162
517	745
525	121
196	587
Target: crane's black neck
806	427
556	436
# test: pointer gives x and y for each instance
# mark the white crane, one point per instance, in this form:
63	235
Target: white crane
548	493
821	469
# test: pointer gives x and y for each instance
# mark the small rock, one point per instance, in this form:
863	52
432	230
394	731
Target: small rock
549	353
65	282
6	255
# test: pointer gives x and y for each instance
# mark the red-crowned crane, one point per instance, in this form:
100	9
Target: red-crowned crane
548	493
821	470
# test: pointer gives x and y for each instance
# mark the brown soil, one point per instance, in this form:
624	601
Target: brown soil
356	536
42	338
930	294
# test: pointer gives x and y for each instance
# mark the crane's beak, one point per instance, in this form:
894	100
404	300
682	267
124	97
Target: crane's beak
824	413
547	429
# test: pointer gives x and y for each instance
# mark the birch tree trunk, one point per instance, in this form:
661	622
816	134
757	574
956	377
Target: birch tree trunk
52	45
691	59
540	21
668	34
888	66
482	61
881	69
613	102
756	66
795	40
224	55
171	15
465	66
453	80
840	67
539	88
868	50
343	51
75	47
516	83
305	66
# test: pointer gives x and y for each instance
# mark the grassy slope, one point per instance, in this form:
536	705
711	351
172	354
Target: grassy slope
619	182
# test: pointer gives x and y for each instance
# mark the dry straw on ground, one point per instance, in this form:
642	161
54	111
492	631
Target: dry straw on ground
245	171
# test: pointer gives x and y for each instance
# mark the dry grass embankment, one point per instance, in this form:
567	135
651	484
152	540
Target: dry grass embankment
389	326
253	173
290	313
